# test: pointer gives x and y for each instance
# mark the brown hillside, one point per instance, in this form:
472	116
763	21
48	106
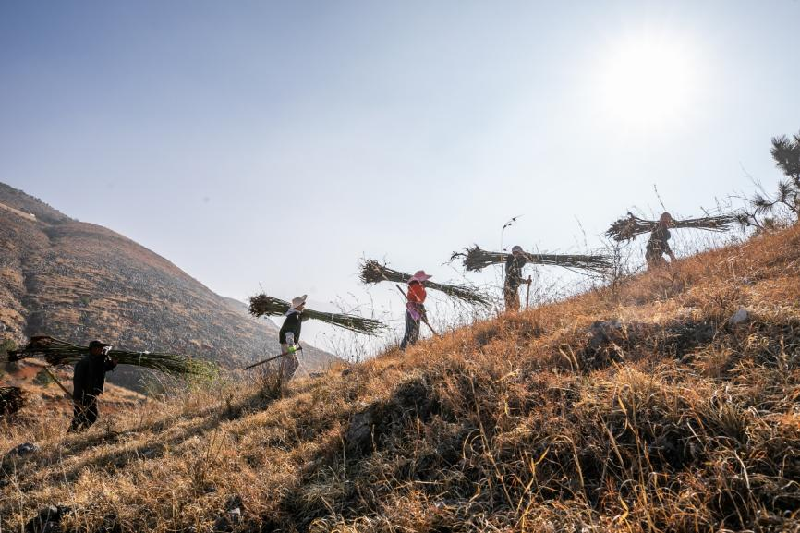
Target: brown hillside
672	420
80	281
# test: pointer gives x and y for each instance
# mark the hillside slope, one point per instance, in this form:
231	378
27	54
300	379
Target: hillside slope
664	416
81	281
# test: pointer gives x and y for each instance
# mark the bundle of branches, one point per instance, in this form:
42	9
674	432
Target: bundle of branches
11	400
58	352
632	226
476	259
373	272
263	305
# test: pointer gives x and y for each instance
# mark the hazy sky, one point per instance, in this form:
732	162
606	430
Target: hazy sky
266	144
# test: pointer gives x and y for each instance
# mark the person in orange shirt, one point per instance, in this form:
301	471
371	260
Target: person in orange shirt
415	307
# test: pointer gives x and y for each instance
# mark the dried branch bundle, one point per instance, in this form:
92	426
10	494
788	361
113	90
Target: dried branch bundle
263	305
373	272
58	352
629	227
476	259
11	400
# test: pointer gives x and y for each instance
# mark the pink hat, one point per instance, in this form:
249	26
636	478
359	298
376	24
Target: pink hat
419	276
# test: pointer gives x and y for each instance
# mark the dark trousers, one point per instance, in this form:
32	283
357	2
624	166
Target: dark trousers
511	297
412	331
288	366
85	413
655	260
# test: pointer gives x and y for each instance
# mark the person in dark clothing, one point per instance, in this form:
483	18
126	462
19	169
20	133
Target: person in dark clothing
88	380
415	307
513	279
289	337
658	245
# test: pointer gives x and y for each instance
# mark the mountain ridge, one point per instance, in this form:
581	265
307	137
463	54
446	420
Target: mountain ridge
78	281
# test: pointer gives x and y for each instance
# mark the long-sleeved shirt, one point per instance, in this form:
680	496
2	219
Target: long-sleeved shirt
292	325
90	375
415	300
416	293
658	244
514	267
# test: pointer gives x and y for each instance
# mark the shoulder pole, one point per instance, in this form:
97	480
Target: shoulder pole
54	378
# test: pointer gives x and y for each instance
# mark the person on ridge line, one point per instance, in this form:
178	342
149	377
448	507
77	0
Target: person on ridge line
513	279
289	337
658	244
415	307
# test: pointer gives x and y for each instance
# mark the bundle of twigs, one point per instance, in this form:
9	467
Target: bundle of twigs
476	259
11	400
58	352
263	305
373	272
629	227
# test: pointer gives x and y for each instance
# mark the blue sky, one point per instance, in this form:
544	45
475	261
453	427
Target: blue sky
266	144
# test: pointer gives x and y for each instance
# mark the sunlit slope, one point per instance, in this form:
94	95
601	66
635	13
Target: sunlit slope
670	419
81	281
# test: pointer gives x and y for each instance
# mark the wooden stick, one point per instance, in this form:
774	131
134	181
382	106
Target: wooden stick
421	316
528	293
267	360
53	376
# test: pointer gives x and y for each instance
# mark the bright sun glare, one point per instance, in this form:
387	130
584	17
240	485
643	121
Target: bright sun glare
648	82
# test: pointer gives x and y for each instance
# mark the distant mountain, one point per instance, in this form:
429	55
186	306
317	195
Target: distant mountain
81	281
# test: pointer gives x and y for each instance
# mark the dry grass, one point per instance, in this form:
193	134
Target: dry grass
676	421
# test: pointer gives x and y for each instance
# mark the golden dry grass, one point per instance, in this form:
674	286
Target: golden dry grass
676	422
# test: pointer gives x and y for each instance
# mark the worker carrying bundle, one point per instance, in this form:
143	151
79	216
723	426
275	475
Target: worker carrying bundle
373	272
630	227
476	259
415	307
93	361
263	305
88	382
513	278
658	244
289	337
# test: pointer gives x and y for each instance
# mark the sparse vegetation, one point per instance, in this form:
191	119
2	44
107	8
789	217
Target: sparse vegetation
768	212
42	378
11	400
645	409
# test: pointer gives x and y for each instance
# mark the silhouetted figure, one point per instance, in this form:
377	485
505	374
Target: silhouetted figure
88	381
289	337
415	307
513	279
658	244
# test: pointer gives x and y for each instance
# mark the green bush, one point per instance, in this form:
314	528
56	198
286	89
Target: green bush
43	378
